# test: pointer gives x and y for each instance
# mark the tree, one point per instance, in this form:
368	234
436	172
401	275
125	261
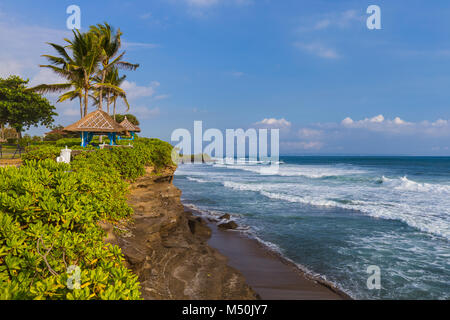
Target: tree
114	79
79	69
22	108
85	62
110	43
75	83
130	117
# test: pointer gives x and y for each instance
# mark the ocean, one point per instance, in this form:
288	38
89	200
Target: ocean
336	216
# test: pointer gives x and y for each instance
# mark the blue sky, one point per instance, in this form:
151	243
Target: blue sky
304	66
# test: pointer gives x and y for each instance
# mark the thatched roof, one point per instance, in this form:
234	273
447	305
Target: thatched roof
97	121
129	126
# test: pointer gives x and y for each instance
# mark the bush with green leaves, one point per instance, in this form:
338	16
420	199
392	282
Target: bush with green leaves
130	162
41	152
49	218
49	221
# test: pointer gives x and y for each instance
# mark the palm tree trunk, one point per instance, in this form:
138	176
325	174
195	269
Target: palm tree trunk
100	102
114	112
86	91
81	107
109	100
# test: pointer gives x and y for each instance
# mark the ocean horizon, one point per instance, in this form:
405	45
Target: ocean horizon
334	216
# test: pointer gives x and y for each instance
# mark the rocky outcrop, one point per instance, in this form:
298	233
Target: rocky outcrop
228	225
167	247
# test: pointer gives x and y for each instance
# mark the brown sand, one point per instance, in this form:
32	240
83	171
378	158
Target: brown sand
271	276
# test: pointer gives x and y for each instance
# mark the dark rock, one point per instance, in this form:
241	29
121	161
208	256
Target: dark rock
169	252
228	225
226	216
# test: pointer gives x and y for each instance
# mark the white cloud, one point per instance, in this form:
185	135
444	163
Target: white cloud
134	91
71	112
162	96
309	133
23	45
317	49
397	126
140	45
210	3
202	3
377	123
371	135
201	8
46	76
145	16
301	145
328	20
347	121
274	123
145	112
440	123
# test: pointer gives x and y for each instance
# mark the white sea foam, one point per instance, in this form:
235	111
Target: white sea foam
429	213
308	171
196	180
422	205
405	184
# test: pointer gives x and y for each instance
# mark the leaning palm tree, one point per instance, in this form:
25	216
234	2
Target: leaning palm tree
79	68
110	42
75	83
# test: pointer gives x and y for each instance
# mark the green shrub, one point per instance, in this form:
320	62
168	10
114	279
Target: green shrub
48	221
69	142
49	214
130	162
41	152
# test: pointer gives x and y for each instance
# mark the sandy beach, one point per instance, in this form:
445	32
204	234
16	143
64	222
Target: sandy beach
270	275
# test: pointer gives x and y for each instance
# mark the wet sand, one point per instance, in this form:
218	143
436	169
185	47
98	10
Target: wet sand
271	276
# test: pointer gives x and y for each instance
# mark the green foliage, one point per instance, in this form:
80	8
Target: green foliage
21	108
41	152
58	133
130	162
130	117
49	220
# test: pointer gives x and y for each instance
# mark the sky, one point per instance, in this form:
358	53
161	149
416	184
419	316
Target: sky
310	68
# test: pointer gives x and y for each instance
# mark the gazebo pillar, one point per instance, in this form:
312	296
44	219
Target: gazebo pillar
112	138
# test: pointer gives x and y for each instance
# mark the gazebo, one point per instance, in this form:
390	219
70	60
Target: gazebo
131	128
97	122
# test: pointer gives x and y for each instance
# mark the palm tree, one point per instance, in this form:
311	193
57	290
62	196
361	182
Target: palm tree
110	43
112	90
87	55
75	83
114	79
79	69
79	63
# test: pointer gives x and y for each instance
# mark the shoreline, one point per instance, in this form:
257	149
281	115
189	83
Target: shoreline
271	275
177	254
